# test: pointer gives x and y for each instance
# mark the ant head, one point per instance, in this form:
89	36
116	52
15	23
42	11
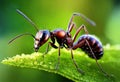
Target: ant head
41	37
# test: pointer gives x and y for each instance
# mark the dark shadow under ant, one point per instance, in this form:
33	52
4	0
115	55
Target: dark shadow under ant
88	43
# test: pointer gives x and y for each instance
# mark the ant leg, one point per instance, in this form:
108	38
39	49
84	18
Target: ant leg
82	16
73	25
57	65
78	30
78	69
78	44
51	44
99	66
47	49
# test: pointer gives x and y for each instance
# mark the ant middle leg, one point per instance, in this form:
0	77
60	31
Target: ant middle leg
71	19
73	25
78	69
57	65
78	30
83	17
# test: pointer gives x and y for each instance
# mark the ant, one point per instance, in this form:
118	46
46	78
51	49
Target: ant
88	43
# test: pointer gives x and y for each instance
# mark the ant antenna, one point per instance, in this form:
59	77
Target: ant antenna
27	18
20	36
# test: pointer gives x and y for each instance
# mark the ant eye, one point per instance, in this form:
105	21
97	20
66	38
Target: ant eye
39	35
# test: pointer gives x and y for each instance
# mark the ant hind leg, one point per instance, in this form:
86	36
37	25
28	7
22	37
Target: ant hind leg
99	66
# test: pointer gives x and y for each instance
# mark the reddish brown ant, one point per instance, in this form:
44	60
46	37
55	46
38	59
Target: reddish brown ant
88	43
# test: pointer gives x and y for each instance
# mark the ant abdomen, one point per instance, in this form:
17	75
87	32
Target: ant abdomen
92	46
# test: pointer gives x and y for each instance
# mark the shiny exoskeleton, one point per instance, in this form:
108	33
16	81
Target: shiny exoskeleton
95	45
88	43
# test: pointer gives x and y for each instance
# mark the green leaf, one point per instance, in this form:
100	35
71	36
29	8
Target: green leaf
110	63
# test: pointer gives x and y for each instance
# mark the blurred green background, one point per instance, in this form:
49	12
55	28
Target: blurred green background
51	14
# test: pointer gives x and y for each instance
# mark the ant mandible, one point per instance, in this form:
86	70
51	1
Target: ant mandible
88	43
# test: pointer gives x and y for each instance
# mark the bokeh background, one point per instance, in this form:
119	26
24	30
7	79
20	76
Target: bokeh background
51	14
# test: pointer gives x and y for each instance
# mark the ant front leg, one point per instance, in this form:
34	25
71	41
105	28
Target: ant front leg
47	49
52	44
